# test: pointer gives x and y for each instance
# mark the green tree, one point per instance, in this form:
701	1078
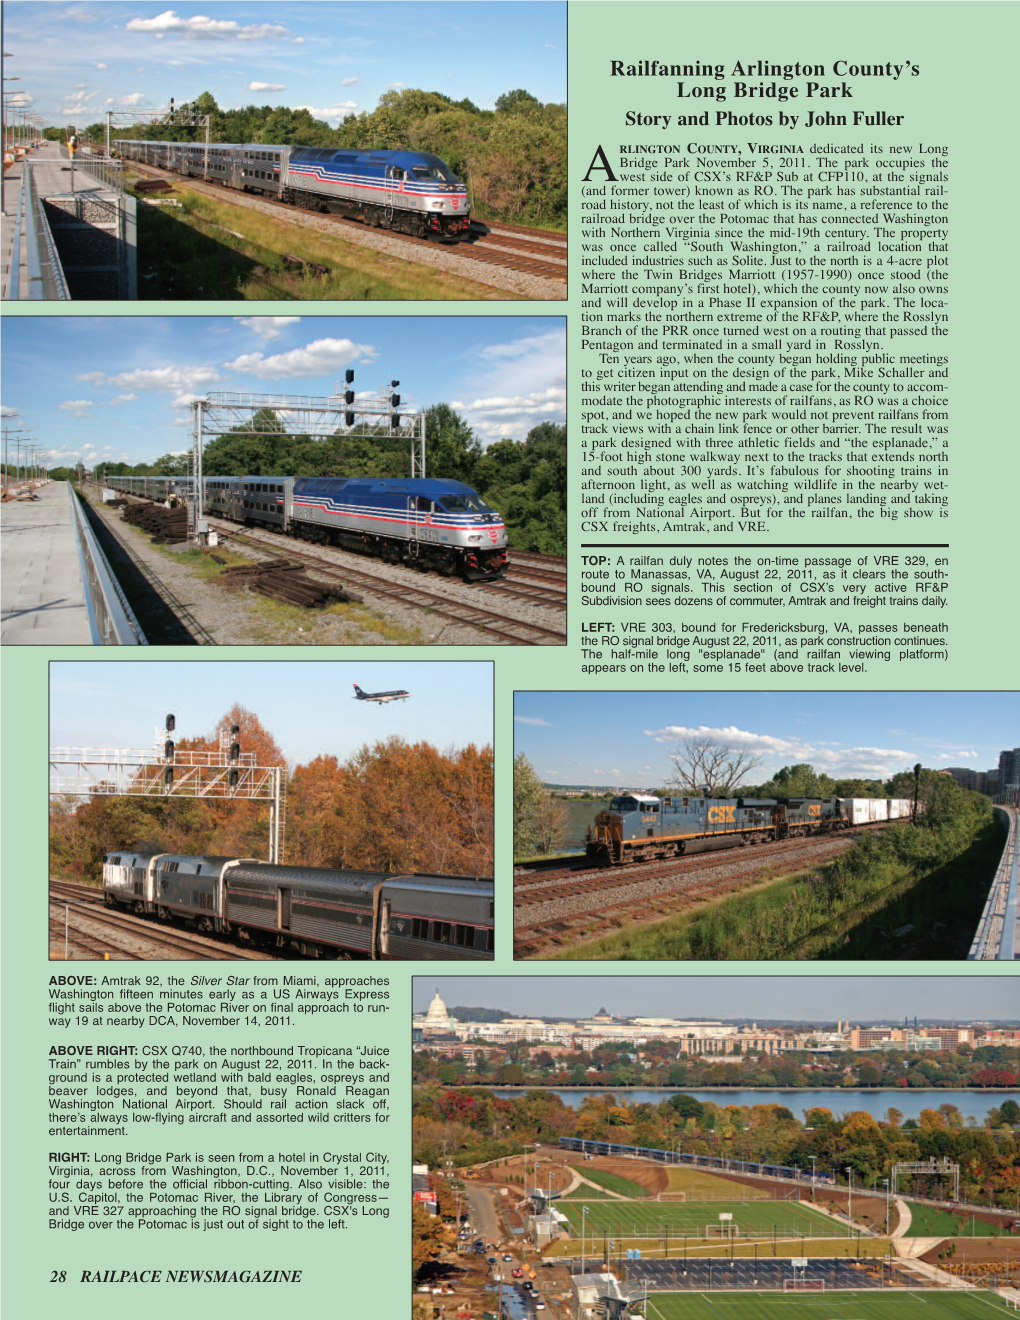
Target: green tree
527	796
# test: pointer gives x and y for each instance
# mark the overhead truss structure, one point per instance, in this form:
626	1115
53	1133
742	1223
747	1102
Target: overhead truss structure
87	772
171	116
295	414
926	1170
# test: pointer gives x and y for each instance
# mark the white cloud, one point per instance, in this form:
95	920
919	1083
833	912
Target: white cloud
120	400
265	87
518	383
202	28
394	86
267	327
316	359
134	98
100	66
8	412
79	407
338	111
525	719
349	82
840	762
165	380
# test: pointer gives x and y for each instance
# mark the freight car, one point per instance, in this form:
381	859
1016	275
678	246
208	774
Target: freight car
309	910
426	523
413	192
637	827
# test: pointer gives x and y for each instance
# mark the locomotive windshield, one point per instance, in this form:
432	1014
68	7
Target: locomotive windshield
434	169
623	804
464	504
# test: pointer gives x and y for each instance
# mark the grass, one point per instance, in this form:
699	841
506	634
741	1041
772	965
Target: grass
217	250
694	1180
870	1304
647	1219
908	893
612	1182
672	1245
930	1221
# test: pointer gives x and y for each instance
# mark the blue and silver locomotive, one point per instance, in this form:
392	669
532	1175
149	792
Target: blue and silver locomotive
424	522
410	191
637	827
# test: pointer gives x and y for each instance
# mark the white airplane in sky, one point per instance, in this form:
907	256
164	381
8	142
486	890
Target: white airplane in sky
381	697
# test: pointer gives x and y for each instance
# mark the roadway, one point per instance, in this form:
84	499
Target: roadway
40	572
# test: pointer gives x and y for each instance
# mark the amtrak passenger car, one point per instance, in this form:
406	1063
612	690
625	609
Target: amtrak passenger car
312	911
410	191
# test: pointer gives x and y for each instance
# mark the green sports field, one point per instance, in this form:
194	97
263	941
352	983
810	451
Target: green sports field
754	1219
893	1304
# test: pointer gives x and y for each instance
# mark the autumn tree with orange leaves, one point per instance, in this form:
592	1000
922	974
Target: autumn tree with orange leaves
394	806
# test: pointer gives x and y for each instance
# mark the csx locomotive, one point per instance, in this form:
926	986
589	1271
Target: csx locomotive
309	910
410	191
637	827
426	523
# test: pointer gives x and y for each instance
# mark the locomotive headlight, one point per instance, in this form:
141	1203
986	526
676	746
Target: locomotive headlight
474	538
436	206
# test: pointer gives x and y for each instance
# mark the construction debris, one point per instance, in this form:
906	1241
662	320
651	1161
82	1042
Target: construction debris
282	579
162	523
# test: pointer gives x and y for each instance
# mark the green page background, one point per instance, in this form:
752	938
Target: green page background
963	99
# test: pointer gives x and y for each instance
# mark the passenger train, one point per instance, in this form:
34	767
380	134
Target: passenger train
639	827
309	910
410	191
426	523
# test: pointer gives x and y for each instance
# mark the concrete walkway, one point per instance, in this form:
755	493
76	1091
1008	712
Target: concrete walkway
40	572
905	1217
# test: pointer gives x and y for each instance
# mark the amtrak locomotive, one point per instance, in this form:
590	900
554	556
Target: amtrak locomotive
426	523
309	910
638	827
410	191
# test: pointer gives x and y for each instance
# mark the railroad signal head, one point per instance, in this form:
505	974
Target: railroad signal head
168	748
235	729
394	400
394	421
348	396
168	776
348	419
171	724
235	751
349	375
233	777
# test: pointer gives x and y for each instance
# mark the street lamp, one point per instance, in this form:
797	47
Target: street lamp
814	1170
850	1204
886	1181
584	1216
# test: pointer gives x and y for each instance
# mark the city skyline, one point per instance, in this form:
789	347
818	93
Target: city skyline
725	996
625	738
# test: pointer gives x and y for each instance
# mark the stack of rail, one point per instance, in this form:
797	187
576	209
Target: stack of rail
284	580
164	524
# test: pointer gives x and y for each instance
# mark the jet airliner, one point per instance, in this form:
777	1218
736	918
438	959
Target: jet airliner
381	697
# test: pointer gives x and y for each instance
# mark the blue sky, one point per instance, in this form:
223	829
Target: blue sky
308	706
626	738
807	998
123	384
75	61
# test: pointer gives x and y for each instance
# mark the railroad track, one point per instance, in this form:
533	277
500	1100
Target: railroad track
87	907
515	632
505	254
718	880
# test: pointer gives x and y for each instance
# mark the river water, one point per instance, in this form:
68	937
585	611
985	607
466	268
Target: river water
972	1104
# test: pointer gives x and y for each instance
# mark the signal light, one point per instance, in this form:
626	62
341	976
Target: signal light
168	748
235	751
348	419
349	375
168	776
348	396
171	724
394	421
235	729
233	777
394	400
